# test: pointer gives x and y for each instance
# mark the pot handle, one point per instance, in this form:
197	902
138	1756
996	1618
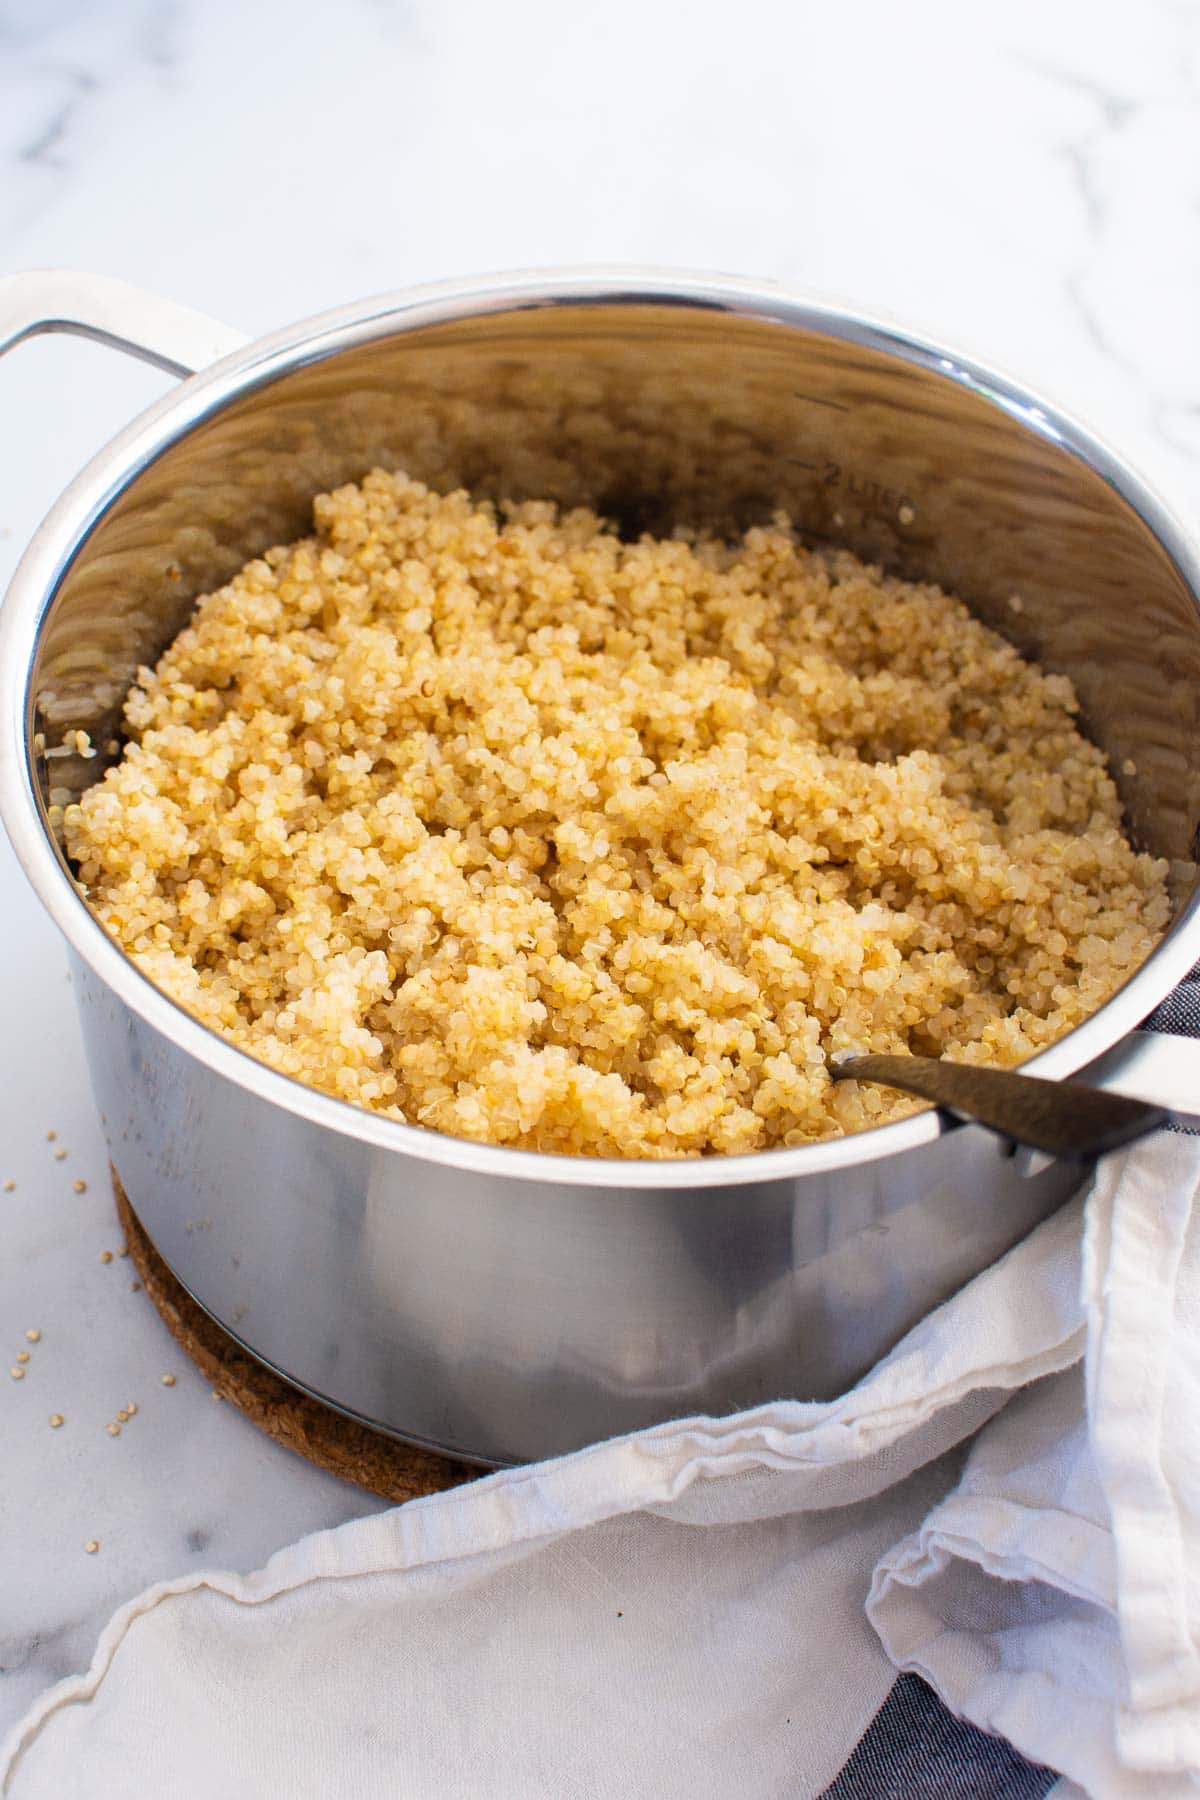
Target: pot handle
1159	1066
111	312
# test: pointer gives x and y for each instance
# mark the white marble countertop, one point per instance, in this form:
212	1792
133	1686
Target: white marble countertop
1024	180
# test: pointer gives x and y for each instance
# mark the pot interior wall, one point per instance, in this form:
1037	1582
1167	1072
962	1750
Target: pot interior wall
663	414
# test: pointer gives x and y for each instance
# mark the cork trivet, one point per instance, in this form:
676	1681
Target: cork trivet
322	1436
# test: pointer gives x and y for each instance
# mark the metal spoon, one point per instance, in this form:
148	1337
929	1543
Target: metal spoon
1063	1118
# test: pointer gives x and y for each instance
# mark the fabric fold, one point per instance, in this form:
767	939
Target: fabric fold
801	1499
1054	1595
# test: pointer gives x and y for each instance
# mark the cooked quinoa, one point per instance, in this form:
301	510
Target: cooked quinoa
488	820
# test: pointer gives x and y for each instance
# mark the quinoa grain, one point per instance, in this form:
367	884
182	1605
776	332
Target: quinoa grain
490	821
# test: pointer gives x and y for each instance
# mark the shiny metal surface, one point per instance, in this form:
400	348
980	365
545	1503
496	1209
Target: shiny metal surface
512	1318
500	1303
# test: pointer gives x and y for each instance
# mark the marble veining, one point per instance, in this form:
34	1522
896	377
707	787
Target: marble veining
1022	179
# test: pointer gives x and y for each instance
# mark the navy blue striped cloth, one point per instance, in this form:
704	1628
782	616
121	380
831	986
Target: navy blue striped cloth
914	1747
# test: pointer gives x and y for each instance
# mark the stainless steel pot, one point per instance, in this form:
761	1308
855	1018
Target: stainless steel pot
501	1304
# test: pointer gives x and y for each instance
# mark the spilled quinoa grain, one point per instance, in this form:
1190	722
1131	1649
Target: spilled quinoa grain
486	819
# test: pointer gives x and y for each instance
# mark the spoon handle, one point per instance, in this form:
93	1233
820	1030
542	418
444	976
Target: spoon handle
1063	1118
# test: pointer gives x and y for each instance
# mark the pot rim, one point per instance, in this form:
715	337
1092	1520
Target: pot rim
60	536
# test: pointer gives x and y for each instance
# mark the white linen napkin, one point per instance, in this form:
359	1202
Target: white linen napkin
1054	1595
720	1605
